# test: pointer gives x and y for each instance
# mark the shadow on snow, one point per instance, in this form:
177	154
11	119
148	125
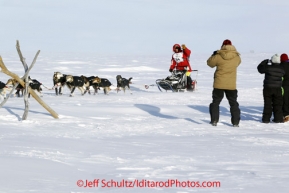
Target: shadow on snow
155	111
9	109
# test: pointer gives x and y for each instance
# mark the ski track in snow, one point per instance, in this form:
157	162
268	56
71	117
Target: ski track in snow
148	134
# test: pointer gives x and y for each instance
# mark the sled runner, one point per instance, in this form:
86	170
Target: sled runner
176	82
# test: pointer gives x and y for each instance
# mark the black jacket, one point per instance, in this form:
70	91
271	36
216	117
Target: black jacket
273	73
286	76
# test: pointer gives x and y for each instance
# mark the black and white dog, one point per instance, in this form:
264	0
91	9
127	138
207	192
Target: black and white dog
35	85
88	82
3	90
122	83
75	81
59	81
102	83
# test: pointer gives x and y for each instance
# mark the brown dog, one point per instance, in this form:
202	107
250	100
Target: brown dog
19	88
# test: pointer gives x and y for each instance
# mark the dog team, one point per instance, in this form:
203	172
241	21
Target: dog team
60	80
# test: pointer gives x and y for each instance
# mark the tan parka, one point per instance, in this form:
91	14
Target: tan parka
226	60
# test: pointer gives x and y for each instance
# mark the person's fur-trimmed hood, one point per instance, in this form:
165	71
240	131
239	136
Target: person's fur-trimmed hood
228	52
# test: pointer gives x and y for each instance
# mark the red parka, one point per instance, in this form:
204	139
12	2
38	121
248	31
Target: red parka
180	60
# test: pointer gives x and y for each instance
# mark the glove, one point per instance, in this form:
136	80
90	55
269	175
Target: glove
170	70
214	53
183	46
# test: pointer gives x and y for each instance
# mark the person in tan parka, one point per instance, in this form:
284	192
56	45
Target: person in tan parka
226	60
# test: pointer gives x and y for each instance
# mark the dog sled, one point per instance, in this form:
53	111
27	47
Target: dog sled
176	82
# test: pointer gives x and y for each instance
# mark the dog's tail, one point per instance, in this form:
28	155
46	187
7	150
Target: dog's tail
112	87
129	80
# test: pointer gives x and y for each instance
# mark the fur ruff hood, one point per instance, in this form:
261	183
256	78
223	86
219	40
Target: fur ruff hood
228	52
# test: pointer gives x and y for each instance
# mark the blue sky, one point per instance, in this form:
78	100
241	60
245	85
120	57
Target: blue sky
143	26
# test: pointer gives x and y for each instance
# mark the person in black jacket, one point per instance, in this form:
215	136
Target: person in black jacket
272	91
285	63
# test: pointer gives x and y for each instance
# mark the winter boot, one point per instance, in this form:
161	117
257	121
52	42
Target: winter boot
214	123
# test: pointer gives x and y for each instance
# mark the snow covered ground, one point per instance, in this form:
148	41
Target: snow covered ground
144	136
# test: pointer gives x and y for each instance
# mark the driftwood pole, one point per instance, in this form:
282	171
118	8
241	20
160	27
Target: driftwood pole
29	90
25	78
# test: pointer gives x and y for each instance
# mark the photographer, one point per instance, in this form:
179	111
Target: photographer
180	62
226	60
272	91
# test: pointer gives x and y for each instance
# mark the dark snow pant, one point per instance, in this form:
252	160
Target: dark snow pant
231	95
273	102
286	101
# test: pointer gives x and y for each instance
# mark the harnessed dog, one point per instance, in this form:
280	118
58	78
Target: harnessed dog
3	89
59	81
103	83
122	83
88	82
18	89
75	81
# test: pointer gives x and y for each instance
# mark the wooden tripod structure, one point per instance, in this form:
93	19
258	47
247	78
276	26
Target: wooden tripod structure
24	82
